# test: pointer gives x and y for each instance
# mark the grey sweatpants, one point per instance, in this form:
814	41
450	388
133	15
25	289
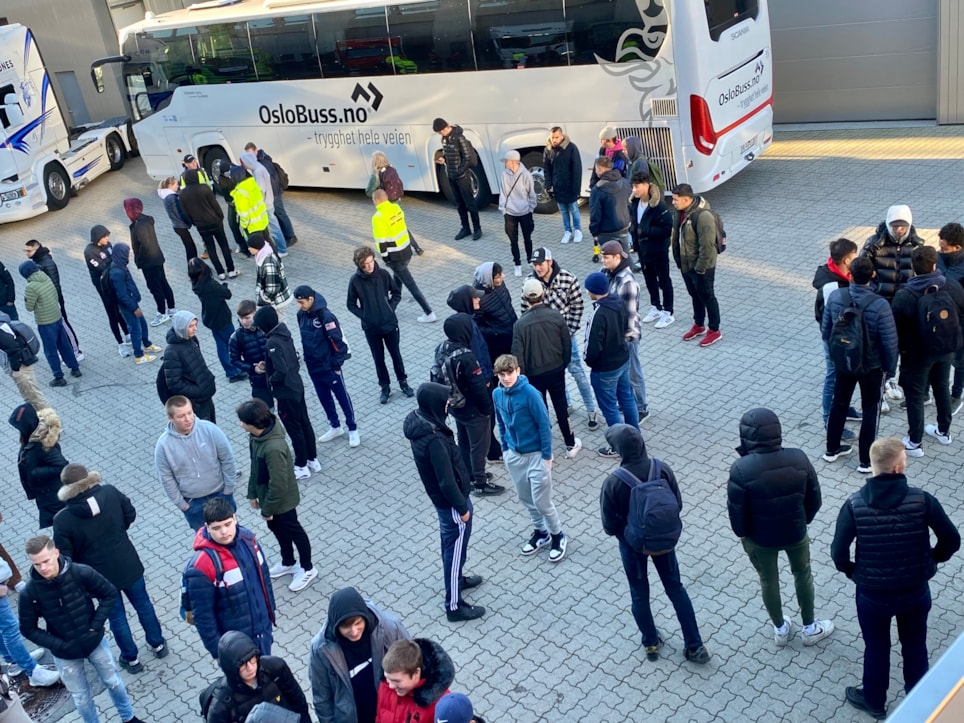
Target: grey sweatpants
533	481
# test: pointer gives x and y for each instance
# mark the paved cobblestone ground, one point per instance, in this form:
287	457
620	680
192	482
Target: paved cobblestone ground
558	642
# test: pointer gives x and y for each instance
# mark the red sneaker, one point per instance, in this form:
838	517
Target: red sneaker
711	338
695	331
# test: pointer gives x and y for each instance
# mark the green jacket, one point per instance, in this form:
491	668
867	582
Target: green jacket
41	298
272	479
694	249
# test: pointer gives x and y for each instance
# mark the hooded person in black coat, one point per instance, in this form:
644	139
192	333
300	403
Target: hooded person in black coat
447	482
773	494
40	459
184	369
92	529
149	258
495	316
215	314
201	206
251	678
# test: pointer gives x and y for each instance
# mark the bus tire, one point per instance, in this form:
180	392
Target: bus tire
116	153
444	187
56	186
208	158
544	202
483	196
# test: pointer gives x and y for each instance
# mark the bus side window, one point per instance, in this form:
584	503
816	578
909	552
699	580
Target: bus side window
10	114
289	45
354	42
519	34
593	33
433	35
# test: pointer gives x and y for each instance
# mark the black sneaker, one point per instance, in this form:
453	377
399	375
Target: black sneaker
593	423
643	416
488	490
607	451
238	378
853	415
292	241
842	451
477	234
160	651
557	550
76	373
855	696
470	581
652	651
406	390
462	234
698	655
58	382
131	666
386	393
538	540
465	612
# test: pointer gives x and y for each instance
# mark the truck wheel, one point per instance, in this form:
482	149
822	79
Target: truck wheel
212	155
544	202
115	151
57	186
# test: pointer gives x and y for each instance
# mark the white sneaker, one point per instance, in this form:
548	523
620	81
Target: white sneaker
665	319
518	271
572	451
302	472
146	359
302	579
14	670
566	237
43	677
577	236
932	430
331	434
353	438
124	350
160	319
314	465
892	390
813	634
912	450
80	356
427	318
652	316
280	570
884	407
234	274
781	636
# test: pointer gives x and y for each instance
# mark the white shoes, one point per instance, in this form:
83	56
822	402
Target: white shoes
160	319
665	319
14	670
353	438
577	236
280	570
518	271
331	434
234	274
314	465
814	633
124	350
933	431
427	318
146	359
892	390
652	316
781	636
43	677
566	237
302	472
302	578
572	451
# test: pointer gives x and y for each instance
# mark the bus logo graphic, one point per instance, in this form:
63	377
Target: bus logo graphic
360	92
759	68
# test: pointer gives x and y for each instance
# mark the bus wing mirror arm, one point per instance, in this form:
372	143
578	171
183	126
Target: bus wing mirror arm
97	69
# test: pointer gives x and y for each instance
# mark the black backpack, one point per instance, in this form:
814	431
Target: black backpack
720	230
106	287
443	372
850	347
207	695
938	320
187	612
29	344
473	160
653	524
282	176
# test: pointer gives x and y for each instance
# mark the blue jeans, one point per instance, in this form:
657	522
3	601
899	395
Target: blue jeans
635	566
330	386
75	680
829	377
567	210
287	230
195	510
137	595
613	393
636	379
875	610
277	236
11	642
138	330
454	535
57	345
221	339
575	368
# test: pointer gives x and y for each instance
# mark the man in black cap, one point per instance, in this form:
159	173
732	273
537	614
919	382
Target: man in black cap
459	157
97	256
190	163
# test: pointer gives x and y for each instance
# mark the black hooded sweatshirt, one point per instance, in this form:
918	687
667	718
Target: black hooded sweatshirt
373	298
234	698
437	458
606	347
281	361
344	604
199	202
470	378
614	496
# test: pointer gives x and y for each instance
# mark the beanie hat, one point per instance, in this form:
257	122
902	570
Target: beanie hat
454	708
256	240
533	289
24	419
266	318
439	124
27	268
613	248
97	233
597	283
607	133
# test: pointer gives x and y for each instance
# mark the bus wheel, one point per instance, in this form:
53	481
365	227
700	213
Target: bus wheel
544	202
443	184
57	187
115	151
480	188
214	155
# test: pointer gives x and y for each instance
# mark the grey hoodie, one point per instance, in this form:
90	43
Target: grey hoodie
261	177
517	193
196	464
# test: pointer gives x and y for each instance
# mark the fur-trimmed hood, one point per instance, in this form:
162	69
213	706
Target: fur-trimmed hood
37	425
438	672
70	490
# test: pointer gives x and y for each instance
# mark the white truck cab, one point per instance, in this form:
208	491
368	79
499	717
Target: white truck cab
41	163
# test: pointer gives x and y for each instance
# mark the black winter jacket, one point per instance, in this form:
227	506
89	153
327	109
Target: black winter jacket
825	282
18	353
39	469
246	348
878	319
651	234
215	313
541	341
74	626
952	265
92	529
97	259
8	292
562	168
281	365
46	262
904	305
437	458
495	316
609	204
199	202
469	376
891	260
457	151
460	301
773	492
614	496
891	521
606	347
185	370
322	340
373	298
144	245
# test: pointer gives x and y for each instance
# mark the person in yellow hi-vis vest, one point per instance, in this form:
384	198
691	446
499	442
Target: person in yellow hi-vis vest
392	242
248	202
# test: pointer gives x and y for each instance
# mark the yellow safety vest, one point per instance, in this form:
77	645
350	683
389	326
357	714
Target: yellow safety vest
388	228
249	203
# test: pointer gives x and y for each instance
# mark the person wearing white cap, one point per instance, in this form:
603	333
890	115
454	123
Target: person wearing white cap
890	248
517	201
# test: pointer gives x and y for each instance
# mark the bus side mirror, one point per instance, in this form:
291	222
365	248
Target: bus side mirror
97	69
11	106
97	75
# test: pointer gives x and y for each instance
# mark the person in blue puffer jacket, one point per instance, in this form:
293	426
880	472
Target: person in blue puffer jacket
128	301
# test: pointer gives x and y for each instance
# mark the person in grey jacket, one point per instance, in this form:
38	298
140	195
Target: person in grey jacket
354	638
194	461
517	201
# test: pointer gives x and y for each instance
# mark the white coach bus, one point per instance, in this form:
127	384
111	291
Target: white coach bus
321	85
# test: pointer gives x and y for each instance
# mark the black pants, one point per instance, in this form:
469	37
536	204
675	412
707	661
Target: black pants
555	384
656	273
916	375
700	289
190	248
403	277
378	342
294	416
465	201
114	319
204	409
474	438
235	225
159	288
290	534
512	226
210	235
871	387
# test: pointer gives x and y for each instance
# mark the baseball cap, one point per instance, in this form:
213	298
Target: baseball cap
533	289
613	248
189	158
511	156
304	292
541	254
454	708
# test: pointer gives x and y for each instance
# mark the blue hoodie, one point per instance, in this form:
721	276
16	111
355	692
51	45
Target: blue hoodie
128	297
325	349
523	419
